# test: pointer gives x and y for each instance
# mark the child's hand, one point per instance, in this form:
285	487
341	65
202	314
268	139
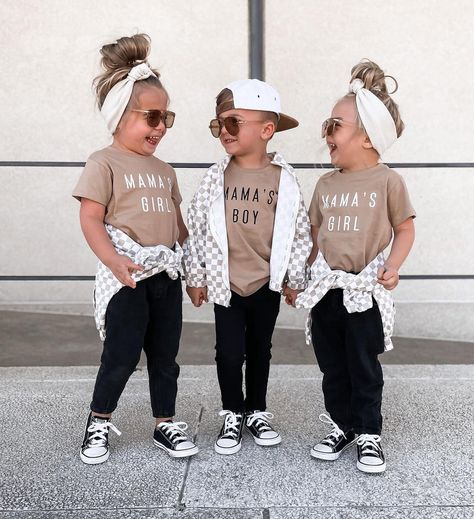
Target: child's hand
122	267
388	277
290	295
198	295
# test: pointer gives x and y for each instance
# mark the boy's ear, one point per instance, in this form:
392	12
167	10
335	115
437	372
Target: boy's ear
367	144
268	130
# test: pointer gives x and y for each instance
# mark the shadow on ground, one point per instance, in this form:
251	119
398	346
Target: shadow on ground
35	339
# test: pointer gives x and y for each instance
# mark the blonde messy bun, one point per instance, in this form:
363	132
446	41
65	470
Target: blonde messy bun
373	78
118	59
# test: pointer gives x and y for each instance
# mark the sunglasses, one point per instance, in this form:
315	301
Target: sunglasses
154	117
329	125
231	124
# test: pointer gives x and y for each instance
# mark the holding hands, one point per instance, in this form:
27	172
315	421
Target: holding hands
290	295
198	295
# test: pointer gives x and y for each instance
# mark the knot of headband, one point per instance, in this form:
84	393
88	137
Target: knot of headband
375	117
119	95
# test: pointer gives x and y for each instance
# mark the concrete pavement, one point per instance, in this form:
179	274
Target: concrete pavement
428	441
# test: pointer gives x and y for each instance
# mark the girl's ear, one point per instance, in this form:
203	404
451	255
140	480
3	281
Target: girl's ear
367	144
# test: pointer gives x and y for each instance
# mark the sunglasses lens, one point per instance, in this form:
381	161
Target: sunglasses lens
324	128
215	128
169	119
231	125
328	127
153	118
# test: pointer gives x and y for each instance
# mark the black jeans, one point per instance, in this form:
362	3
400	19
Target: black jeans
347	348
244	333
148	317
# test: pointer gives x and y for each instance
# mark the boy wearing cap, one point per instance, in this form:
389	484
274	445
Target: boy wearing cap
249	237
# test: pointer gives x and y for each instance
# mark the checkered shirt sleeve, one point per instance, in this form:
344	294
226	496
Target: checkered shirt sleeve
204	262
217	291
194	248
300	249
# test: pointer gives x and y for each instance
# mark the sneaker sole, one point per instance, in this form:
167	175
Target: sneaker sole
177	454
264	442
267	442
94	461
227	450
371	469
330	456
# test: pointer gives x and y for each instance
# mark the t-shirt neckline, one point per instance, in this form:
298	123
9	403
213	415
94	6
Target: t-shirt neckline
129	153
361	171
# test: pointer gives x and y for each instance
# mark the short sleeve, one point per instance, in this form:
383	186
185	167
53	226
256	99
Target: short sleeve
315	216
175	193
94	183
399	204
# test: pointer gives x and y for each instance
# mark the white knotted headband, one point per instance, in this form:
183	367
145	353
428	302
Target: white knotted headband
119	95
375	117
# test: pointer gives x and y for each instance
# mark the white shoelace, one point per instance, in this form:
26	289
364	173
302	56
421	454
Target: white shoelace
174	430
260	419
336	432
369	443
231	423
99	431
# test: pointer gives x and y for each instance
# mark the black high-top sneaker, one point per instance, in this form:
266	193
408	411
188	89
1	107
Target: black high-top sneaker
229	440
258	425
335	443
170	437
370	456
95	446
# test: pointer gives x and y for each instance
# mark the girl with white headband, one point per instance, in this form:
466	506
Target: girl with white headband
355	211
131	219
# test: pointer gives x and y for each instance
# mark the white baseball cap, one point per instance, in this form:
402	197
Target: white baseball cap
253	94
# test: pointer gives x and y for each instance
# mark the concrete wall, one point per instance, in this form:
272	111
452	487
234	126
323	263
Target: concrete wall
50	55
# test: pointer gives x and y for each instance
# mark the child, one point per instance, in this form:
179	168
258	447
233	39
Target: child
354	211
249	233
131	219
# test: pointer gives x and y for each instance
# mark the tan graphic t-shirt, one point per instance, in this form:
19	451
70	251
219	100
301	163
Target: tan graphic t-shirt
140	194
355	213
250	203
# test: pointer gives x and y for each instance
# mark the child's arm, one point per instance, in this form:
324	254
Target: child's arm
194	246
300	251
315	249
197	295
402	243
92	225
193	261
183	230
290	295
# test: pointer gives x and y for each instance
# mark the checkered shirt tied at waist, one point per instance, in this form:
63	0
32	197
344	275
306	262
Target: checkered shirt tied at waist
358	290
154	260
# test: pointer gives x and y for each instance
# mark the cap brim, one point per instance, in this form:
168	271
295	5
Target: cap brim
286	123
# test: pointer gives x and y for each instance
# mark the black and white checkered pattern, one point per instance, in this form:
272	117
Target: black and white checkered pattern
153	259
206	249
357	295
